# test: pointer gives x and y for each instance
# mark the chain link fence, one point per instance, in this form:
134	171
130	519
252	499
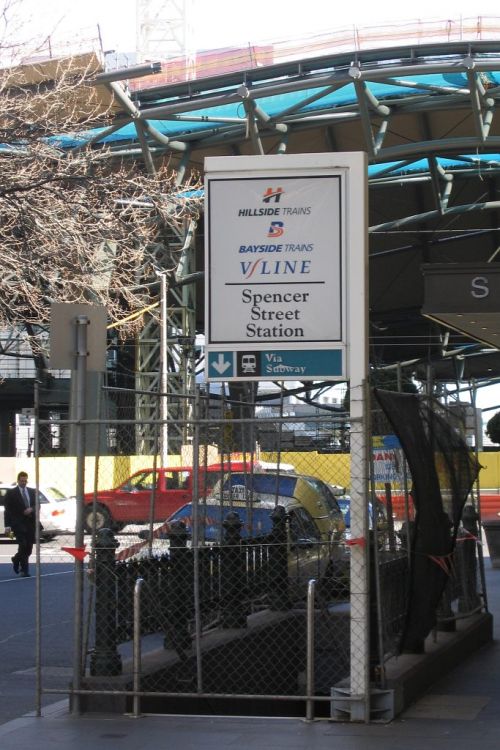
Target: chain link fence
215	574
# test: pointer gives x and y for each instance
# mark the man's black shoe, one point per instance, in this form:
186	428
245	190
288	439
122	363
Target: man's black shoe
15	565
25	574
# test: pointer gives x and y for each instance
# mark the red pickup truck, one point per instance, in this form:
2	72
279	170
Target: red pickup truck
489	503
166	488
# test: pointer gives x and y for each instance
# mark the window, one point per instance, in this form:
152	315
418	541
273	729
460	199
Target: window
175	480
301	525
263	484
142	481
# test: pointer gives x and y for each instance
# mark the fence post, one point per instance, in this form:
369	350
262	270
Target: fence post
179	589
232	579
278	560
105	659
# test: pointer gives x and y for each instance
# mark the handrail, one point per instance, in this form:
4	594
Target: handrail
311	587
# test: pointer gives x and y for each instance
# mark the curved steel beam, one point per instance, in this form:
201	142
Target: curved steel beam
428	215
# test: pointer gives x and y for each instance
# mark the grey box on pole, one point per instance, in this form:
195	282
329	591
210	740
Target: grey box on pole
62	335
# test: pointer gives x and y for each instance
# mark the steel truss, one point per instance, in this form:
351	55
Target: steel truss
426	115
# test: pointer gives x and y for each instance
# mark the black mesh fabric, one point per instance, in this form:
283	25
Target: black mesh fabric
443	470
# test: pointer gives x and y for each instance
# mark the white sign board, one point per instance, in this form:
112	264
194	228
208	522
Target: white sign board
385	466
276	247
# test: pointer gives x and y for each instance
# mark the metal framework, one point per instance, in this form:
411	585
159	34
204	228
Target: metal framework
164	30
426	115
180	333
427	118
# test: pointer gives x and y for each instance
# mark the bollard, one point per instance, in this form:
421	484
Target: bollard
445	616
469	598
105	659
278	560
232	574
179	589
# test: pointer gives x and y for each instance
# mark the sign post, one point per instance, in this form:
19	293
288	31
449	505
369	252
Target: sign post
78	343
286	299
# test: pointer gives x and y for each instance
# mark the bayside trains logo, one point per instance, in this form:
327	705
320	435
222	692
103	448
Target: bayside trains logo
276	229
261	267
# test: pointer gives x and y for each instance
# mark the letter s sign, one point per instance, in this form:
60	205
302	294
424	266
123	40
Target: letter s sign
479	287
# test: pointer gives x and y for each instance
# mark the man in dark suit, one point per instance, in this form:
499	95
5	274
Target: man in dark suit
20	516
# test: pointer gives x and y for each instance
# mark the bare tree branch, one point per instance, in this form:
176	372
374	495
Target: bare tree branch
75	227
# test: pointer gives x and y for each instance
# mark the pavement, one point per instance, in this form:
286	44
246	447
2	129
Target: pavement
461	710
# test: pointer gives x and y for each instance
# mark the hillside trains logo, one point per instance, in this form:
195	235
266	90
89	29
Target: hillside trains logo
274	195
276	229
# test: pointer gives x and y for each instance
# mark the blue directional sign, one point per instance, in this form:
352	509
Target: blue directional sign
220	365
276	364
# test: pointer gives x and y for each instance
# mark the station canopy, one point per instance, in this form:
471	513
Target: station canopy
425	114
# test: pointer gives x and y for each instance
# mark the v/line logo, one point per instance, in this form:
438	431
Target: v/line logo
263	267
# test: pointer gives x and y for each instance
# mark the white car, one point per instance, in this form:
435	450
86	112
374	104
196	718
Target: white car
57	512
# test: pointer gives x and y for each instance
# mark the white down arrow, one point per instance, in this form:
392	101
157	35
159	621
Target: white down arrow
221	365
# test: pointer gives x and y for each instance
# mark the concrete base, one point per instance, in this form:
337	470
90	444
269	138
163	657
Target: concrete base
411	675
407	677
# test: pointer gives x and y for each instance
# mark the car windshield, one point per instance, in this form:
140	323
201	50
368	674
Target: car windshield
322	489
52	493
265	484
143	480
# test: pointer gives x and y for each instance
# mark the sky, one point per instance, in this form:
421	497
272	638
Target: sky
219	23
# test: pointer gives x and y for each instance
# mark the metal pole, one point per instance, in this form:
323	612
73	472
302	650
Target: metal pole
152	497
90	598
195	541
405	481
311	586
81	323
38	603
477	508
359	409
97	457
137	645
164	370
374	559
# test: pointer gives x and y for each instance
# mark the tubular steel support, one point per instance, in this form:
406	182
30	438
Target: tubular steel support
367	100
479	100
253	129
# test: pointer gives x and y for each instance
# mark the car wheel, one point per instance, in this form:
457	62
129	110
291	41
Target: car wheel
103	518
